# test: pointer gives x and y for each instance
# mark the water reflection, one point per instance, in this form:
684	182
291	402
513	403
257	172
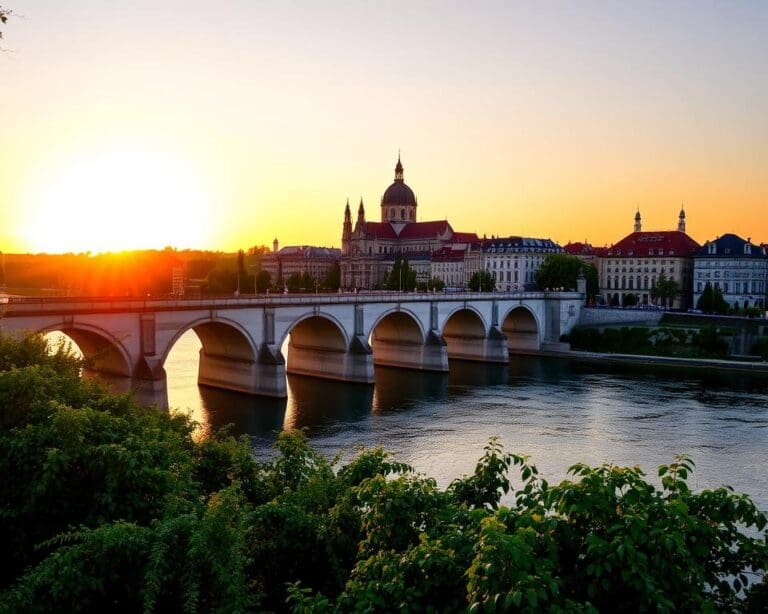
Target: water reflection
313	402
558	411
401	389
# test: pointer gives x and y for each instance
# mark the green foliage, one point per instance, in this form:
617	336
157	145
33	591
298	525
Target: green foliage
563	270
110	507
263	281
332	279
630	299
300	282
482	281
661	341
434	283
400	277
760	347
665	289
712	301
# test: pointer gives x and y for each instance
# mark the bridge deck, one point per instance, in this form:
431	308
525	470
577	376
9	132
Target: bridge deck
27	306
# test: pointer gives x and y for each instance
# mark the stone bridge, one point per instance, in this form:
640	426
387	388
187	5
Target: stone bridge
331	336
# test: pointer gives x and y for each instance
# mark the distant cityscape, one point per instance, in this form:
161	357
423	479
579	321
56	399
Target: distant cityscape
627	271
436	256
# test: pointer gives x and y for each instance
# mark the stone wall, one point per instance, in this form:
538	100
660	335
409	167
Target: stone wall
593	316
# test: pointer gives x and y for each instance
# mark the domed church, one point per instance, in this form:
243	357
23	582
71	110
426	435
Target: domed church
369	249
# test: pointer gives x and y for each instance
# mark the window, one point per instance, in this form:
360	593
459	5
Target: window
698	287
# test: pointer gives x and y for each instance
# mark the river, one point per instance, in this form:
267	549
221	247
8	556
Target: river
558	411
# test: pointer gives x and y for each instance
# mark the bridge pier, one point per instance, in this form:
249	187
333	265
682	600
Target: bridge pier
431	355
355	364
489	348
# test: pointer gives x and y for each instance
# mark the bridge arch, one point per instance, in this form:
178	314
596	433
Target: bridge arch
228	356
398	339
219	337
319	346
398	325
102	351
522	328
319	330
465	333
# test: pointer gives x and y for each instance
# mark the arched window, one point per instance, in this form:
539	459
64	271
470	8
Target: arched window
402	214
392	213
411	213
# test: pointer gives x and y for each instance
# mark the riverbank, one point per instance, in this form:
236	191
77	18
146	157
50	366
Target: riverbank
646	359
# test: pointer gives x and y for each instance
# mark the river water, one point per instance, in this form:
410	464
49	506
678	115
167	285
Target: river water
558	411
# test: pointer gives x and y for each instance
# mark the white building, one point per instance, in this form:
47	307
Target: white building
513	261
737	267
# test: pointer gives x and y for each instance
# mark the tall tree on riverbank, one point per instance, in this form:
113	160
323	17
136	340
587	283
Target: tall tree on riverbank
563	270
711	300
482	281
665	289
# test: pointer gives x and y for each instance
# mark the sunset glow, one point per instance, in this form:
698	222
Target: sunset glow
173	124
110	201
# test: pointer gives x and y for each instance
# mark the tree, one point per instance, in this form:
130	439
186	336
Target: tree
614	302
263	281
563	270
110	506
4	15
666	289
630	300
332	279
482	281
711	300
401	277
435	283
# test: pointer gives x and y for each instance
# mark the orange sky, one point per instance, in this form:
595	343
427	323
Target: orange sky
183	124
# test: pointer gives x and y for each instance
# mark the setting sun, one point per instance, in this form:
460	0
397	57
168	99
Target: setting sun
115	200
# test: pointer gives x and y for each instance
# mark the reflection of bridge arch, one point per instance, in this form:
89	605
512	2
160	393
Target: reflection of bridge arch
103	353
227	357
521	327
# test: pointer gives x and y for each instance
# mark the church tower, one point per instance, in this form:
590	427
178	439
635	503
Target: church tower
398	205
346	233
681	220
360	213
638	224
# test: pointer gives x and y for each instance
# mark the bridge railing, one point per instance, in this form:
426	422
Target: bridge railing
56	304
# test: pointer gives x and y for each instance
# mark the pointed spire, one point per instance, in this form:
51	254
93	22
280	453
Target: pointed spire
681	219
398	168
361	211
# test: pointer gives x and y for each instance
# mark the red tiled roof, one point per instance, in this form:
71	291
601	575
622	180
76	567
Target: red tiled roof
465	237
448	254
640	244
579	249
424	230
380	230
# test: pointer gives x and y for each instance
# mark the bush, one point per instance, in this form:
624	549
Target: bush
108	506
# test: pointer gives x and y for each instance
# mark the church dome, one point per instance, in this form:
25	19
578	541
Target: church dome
399	195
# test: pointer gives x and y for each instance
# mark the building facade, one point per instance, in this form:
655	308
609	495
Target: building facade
513	261
455	264
299	259
634	264
737	267
369	249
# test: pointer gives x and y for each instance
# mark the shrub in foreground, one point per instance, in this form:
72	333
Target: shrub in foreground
109	506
